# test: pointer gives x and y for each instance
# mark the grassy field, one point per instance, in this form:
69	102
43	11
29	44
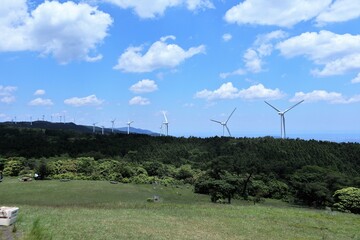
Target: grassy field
100	210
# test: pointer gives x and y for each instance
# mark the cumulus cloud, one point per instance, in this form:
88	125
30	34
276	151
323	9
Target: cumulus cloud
322	95
67	31
253	57
91	100
155	8
356	79
144	86
338	54
6	94
340	11
159	55
228	91
284	14
41	102
138	100
39	92
227	37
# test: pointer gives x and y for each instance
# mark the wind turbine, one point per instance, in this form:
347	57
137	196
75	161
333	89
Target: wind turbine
102	130
94	124
282	117
166	123
112	125
128	126
224	124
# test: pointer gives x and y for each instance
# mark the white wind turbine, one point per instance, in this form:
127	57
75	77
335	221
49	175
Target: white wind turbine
102	130
282	116
224	124
166	123
128	126
94	124
112	125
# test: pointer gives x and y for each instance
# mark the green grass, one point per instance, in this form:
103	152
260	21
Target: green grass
100	210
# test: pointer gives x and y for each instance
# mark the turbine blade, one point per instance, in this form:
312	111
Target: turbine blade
165	117
272	106
230	115
228	130
215	121
293	106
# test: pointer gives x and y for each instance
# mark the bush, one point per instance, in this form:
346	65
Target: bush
347	200
12	168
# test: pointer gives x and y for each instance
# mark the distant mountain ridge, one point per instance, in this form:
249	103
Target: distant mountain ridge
74	127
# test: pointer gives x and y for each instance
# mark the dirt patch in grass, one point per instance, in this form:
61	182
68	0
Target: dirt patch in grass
9	233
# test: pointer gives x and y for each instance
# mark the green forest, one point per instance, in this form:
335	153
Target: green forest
294	170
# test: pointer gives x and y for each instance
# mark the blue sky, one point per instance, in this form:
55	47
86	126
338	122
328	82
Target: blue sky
94	61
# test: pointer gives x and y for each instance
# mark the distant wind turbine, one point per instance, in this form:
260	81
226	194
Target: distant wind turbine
102	130
112	125
128	126
166	123
282	117
94	124
224	124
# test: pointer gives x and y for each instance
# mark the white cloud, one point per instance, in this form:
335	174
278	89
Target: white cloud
239	71
253	62
155	8
285	13
138	100
41	102
67	31
356	79
337	53
322	95
253	57
7	99
228	91
91	100
39	92
159	55
144	86
6	94
340	11
227	37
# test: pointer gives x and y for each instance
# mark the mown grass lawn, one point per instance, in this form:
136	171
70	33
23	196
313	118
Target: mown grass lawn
100	210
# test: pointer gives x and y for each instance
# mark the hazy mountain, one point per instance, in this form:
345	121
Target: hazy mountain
74	127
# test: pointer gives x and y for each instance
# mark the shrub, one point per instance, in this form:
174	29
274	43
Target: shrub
12	168
347	200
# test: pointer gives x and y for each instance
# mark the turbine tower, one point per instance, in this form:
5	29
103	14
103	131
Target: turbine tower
224	124
102	130
166	123
112	125
161	129
94	124
128	126
282	117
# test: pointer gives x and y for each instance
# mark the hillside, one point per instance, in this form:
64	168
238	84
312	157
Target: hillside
293	169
